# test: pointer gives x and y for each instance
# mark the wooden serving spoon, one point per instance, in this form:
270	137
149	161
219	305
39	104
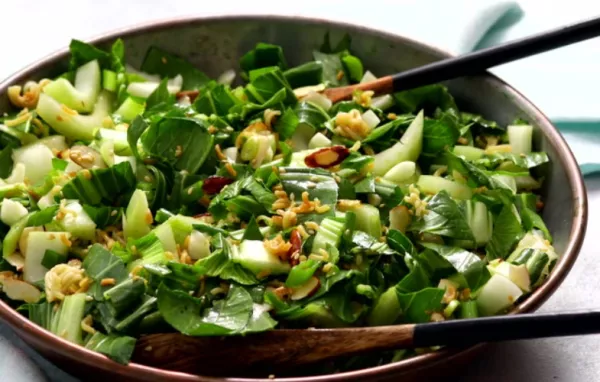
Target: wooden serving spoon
283	349
473	63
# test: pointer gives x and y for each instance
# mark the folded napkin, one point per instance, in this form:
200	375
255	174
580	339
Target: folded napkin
457	26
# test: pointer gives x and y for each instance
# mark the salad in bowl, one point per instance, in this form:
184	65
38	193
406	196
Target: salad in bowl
137	201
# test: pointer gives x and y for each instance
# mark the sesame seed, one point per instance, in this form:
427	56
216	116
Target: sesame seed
148	348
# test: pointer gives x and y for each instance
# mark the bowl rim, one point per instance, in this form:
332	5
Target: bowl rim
37	335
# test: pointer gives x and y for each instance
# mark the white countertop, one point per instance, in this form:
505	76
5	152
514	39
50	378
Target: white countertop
30	30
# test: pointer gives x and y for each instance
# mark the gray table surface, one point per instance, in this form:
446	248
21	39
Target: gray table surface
564	359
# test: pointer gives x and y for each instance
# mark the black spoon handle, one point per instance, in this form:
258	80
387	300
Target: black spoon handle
505	328
481	60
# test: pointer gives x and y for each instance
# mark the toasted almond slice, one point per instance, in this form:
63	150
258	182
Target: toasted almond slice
20	290
308	289
327	157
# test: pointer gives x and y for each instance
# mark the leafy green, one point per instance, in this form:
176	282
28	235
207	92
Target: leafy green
124	294
263	55
332	278
476	177
428	97
182	142
525	161
444	218
356	161
220	264
150	248
369	245
42	217
158	61
532	220
82	53
310	73
154	183
415	280
460	258
399	242
42	313
147	305
51	258
6	161
342	46
506	234
298	180
333	69
287	123
436	265
232	198
301	273
218	100
101	264
354	67
236	314
365	186
160	96
389	130
116	347
252	232
266	82
102	186
417	306
134	132
310	114
440	133
474	120
104	216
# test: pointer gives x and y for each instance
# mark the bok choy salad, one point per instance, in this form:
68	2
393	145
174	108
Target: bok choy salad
157	200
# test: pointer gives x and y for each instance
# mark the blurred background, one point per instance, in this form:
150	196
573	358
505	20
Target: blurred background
563	84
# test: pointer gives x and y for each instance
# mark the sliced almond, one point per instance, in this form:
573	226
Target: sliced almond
327	157
16	260
306	90
308	289
6	275
191	94
20	290
296	247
